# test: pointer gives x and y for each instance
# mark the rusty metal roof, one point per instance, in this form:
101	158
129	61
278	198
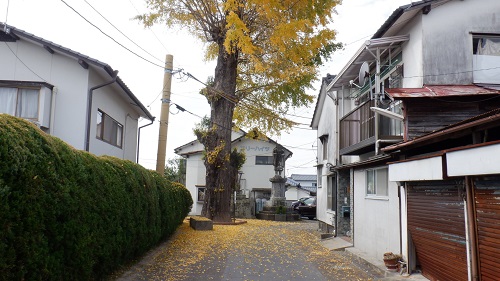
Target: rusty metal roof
440	91
490	117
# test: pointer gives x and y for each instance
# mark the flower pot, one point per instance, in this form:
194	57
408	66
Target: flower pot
392	264
391	261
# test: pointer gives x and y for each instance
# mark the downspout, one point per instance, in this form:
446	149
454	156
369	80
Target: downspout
52	110
89	107
139	137
471	227
378	142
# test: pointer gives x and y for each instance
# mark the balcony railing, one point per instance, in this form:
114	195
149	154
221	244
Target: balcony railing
357	129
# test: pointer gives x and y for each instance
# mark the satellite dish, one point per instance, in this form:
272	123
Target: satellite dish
364	73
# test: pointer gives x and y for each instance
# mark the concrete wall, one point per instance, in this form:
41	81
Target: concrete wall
413	54
376	219
447	41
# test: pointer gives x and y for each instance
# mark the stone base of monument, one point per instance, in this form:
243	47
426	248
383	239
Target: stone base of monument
270	213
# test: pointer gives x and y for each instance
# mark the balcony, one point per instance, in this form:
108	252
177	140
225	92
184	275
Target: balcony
357	129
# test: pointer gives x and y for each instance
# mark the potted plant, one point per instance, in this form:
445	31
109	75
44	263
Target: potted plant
391	261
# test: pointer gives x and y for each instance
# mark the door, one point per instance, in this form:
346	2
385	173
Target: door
436	223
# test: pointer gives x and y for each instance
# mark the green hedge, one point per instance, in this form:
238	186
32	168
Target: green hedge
66	214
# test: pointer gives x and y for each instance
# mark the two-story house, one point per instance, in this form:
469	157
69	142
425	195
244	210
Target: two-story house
253	177
69	95
428	66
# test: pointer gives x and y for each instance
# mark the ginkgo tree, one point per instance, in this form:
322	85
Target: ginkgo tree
268	53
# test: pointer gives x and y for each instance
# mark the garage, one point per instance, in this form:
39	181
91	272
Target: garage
436	224
487	210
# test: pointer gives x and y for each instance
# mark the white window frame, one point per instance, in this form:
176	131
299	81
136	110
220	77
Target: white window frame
324	147
377	182
200	193
18	106
109	136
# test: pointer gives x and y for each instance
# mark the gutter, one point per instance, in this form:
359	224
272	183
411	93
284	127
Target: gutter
89	106
139	138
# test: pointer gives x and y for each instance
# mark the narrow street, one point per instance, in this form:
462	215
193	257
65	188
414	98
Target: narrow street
257	250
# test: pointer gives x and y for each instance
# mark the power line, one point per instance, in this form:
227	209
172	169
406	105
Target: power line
24	63
161	43
121	32
121	45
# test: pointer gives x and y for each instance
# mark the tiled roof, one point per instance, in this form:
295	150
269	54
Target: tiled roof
303	177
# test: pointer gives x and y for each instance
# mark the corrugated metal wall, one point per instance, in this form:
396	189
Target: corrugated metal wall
437	226
487	203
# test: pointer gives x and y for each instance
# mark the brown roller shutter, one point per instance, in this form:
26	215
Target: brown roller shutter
437	227
487	193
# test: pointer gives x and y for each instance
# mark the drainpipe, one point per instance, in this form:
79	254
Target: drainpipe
52	110
378	142
139	137
471	227
89	107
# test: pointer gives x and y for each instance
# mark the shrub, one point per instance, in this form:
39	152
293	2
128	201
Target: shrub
67	214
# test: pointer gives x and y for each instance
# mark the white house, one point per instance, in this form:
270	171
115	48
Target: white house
430	58
68	95
299	186
256	171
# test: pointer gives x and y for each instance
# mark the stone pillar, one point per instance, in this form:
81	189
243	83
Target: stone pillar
277	191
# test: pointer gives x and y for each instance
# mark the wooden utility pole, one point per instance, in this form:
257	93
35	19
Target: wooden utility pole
165	110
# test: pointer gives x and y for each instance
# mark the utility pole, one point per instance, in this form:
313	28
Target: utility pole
165	110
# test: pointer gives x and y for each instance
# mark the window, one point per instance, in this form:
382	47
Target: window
324	145
20	102
320	174
376	182
332	189
313	184
486	44
263	160
201	194
108	129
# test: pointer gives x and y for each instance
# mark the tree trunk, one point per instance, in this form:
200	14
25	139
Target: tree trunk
219	173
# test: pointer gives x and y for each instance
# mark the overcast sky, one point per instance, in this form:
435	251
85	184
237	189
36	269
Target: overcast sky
54	20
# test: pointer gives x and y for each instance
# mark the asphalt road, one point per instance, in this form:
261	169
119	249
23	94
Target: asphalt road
257	250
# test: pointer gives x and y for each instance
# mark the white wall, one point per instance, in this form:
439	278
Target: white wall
254	176
413	54
448	39
72	83
294	193
376	221
108	100
327	126
195	175
62	72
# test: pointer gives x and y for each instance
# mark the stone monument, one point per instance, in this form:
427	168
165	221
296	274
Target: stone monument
275	208
278	182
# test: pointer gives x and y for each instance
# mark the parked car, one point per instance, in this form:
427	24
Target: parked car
295	204
306	207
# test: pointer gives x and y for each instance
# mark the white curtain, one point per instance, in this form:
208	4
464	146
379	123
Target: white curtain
8	100
489	46
27	105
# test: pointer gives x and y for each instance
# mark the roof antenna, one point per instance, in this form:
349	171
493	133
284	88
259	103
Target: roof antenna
5	29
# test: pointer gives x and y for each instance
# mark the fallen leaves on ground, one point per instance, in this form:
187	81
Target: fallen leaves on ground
256	249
